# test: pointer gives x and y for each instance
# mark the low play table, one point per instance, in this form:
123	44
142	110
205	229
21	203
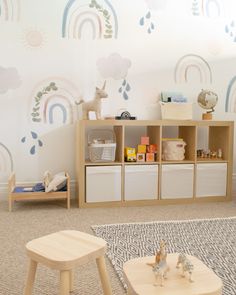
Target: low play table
141	279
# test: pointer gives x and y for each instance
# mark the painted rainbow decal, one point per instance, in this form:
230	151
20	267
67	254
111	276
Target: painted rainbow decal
53	102
205	8
6	162
192	61
97	15
230	102
10	10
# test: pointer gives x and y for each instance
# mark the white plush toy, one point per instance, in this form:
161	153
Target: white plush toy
93	105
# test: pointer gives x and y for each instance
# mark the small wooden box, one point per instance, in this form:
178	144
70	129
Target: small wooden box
145	140
141	148
150	157
140	157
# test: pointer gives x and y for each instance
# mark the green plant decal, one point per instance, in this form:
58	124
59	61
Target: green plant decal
106	16
35	111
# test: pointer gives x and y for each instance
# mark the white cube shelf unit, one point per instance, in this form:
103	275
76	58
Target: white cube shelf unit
121	183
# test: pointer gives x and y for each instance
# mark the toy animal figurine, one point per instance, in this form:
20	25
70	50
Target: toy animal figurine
186	265
160	266
93	105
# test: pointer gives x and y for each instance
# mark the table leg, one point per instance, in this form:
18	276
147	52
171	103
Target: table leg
30	277
71	280
64	282
103	275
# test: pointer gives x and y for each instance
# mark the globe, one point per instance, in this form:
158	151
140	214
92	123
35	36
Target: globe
207	100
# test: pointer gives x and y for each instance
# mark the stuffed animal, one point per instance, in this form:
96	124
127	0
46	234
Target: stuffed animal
93	105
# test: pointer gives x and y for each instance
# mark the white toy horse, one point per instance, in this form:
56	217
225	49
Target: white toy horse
93	105
186	265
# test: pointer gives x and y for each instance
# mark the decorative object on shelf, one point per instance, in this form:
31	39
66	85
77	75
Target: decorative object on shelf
210	154
125	115
176	110
130	154
145	140
93	105
186	266
173	149
207	100
150	157
160	266
101	145
140	157
142	148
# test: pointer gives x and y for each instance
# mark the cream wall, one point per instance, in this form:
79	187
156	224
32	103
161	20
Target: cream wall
190	45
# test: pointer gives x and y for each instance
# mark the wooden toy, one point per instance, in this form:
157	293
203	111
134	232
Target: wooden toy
93	105
140	157
186	265
142	148
130	154
152	148
145	140
150	157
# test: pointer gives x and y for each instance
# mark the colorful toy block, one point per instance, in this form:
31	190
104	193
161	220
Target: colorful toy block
130	154
145	140
141	148
152	148
150	157
140	157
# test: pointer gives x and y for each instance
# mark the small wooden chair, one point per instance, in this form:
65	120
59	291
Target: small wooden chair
64	251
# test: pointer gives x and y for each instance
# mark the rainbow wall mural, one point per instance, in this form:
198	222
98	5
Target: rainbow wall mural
10	10
53	101
208	8
190	62
6	162
230	102
94	19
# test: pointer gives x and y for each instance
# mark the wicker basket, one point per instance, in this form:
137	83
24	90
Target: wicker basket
101	145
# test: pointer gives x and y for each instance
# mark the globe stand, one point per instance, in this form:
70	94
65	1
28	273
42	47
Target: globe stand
207	116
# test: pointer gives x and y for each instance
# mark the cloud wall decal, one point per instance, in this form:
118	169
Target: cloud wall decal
9	79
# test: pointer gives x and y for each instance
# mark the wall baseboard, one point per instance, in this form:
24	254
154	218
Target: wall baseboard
3	188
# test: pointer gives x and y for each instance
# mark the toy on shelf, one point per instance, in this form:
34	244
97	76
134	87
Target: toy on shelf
140	157
210	154
150	157
145	140
160	266
142	148
186	266
130	154
93	105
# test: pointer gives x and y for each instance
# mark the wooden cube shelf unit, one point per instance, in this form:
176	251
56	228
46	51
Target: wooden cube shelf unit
121	183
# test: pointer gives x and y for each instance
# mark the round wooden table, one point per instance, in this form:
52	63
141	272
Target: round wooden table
141	279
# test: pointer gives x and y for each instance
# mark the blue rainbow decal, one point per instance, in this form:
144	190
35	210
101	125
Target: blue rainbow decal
49	110
63	109
8	157
10	10
102	20
192	61
204	8
230	102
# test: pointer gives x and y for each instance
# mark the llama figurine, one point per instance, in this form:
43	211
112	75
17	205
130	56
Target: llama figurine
186	265
93	105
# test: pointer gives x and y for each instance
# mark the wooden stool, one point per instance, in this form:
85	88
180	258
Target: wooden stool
64	251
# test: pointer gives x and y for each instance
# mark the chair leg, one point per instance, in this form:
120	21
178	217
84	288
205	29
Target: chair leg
30	277
71	280
103	275
9	203
64	282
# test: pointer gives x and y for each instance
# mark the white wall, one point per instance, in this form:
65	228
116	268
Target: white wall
194	39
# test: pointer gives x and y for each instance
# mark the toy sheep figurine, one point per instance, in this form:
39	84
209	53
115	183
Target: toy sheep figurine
186	265
93	105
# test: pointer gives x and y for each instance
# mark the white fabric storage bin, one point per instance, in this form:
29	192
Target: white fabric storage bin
141	182
211	179
177	181
103	184
173	150
176	111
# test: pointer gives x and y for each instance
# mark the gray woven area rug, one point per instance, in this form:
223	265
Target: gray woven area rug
211	240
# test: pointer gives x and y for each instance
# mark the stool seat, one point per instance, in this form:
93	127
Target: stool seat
64	251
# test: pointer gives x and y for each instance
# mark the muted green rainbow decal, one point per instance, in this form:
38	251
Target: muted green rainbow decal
53	102
99	15
192	62
10	10
230	102
206	8
6	159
